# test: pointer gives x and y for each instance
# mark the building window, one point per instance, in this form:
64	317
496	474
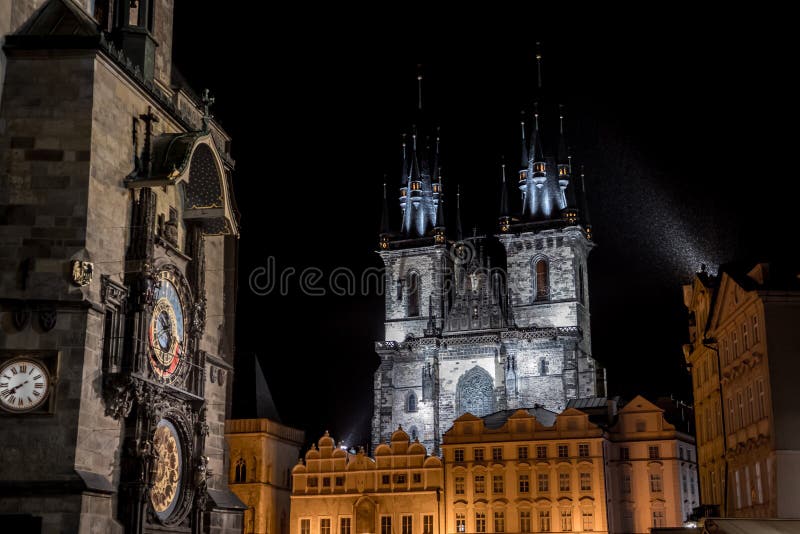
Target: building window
563	451
762	398
477	454
658	518
413	294
544	520
653	452
399	479
312	482
305	526
461	523
543	366
417	478
751	405
326	482
541	280
745	337
588	521
524	484
726	354
735	345
624	453
747	487
756	336
566	520
655	483
544	482
738	490
325	526
460	486
522	453
385	479
740	411
340	481
731	414
498	485
563	482
759	490
586	481
497	453
480	484
241	471
541	452
411	402
581	291
480	522
406	524
525	521
499	521
427	524
386	524
583	450
626	482
344	525
458	455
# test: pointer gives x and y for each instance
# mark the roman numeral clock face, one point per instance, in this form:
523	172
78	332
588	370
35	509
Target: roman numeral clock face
24	385
166	330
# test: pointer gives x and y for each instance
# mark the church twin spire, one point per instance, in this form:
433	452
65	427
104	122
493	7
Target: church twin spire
544	184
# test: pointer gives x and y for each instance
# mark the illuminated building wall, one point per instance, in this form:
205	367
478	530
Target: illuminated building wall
743	355
340	492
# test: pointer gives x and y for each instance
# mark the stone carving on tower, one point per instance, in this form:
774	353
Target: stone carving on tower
490	322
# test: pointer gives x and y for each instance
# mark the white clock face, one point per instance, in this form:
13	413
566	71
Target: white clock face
24	385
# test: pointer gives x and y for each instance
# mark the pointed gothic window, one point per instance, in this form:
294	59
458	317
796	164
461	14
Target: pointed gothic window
413	294
411	402
241	471
542	366
581	294
541	280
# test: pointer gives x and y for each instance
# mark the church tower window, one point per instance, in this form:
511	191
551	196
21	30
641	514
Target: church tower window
411	402
542	366
413	294
541	280
241	471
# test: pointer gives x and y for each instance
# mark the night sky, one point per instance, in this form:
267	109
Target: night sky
678	129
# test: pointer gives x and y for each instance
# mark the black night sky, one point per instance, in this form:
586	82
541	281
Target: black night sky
677	128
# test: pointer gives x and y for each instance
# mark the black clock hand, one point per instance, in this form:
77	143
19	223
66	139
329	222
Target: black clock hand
15	388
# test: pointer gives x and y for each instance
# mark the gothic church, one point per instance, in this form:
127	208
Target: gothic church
489	322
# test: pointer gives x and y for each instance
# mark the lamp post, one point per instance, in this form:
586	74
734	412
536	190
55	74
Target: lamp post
711	343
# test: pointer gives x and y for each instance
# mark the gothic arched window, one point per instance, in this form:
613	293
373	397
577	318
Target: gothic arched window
475	392
411	402
581	294
241	471
413	294
542	366
414	433
541	280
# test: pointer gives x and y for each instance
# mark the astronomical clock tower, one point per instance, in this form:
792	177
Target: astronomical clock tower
118	247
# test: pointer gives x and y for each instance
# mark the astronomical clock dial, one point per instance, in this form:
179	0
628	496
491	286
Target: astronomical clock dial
169	466
166	329
24	385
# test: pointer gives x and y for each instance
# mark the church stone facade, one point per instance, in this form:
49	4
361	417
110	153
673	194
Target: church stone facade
489	322
118	239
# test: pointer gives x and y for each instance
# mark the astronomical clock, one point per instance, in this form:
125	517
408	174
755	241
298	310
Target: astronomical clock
155	376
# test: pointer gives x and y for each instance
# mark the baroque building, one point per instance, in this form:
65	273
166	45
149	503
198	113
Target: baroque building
490	322
742	353
263	452
341	492
118	266
590	468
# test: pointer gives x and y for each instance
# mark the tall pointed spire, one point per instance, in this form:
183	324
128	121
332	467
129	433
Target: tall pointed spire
385	228
525	159
459	230
587	225
505	218
537	154
539	64
419	87
563	160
